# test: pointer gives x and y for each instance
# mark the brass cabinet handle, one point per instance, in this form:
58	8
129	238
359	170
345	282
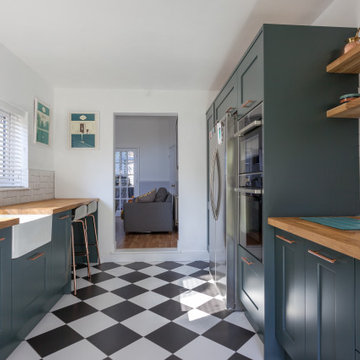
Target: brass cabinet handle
64	217
323	257
2	239
285	239
247	103
37	256
246	261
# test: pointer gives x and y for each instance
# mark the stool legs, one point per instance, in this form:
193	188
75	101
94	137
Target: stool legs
96	237
86	247
73	257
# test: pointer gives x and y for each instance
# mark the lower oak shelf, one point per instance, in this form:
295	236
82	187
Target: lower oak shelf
349	110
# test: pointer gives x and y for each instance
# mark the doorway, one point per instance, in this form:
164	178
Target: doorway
146	181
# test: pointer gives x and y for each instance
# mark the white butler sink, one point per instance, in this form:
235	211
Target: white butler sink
32	232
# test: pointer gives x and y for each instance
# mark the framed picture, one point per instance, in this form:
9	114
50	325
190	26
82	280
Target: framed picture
41	122
83	127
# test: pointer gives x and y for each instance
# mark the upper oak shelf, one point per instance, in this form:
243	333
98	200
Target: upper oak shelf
348	63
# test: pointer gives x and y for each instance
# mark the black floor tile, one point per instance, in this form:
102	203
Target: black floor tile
74	312
89	292
237	356
229	335
170	309
113	338
129	291
169	276
199	264
123	310
54	340
202	275
169	265
170	290
138	265
99	277
215	307
172	337
208	289
134	276
107	266
173	357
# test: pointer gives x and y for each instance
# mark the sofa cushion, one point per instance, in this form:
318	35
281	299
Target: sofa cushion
148	197
161	195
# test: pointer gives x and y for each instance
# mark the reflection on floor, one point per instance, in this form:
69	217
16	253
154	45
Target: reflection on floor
162	311
143	241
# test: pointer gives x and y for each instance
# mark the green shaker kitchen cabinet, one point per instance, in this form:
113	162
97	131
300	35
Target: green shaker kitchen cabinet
290	293
357	304
30	289
210	119
226	99
5	293
250	78
251	287
357	355
330	294
60	254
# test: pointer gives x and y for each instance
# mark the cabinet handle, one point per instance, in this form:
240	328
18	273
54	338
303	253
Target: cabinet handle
247	103
246	261
63	217
285	239
316	253
37	256
2	239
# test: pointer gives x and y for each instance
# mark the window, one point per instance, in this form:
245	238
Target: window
13	147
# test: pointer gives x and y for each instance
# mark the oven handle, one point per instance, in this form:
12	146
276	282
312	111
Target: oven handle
245	190
249	127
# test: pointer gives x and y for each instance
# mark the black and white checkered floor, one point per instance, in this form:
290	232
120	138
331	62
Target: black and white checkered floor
140	311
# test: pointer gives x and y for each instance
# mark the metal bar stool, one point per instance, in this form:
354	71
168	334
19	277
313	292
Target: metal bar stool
91	209
80	214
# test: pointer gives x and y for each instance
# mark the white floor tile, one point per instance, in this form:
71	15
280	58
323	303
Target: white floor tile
152	270
92	324
148	299
47	323
65	300
186	270
151	283
193	298
119	271
80	283
104	301
145	322
24	351
205	349
113	284
80	350
189	282
197	321
253	349
238	318
140	350
83	271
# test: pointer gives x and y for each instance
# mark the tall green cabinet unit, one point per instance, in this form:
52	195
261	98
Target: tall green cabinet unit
308	159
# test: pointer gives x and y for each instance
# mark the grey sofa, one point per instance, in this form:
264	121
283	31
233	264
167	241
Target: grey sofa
144	217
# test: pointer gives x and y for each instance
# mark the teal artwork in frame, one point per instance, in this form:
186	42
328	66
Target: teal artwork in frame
41	122
83	130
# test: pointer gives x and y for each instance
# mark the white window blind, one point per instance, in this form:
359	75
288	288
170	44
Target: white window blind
13	149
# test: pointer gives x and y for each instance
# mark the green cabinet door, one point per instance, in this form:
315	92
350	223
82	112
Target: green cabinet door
330	323
5	293
250	78
210	118
290	293
357	355
226	99
30	289
251	287
60	253
357	303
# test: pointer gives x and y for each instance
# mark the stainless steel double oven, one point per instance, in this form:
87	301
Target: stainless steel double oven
250	181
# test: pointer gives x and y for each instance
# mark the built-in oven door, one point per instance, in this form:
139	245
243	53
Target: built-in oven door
250	152
250	225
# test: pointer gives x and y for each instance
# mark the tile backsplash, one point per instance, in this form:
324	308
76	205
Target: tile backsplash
41	187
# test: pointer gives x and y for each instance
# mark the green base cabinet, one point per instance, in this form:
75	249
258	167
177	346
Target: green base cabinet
290	293
357	305
357	355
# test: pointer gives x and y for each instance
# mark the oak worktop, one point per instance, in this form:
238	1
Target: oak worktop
52	206
344	241
4	223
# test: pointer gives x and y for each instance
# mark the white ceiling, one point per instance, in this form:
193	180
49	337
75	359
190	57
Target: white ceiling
141	44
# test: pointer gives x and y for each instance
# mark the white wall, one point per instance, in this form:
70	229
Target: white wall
19	85
89	173
152	136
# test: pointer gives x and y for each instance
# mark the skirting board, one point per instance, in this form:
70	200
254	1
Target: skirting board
151	255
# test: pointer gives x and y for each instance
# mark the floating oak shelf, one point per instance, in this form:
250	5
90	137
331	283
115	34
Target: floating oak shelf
349	110
348	63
